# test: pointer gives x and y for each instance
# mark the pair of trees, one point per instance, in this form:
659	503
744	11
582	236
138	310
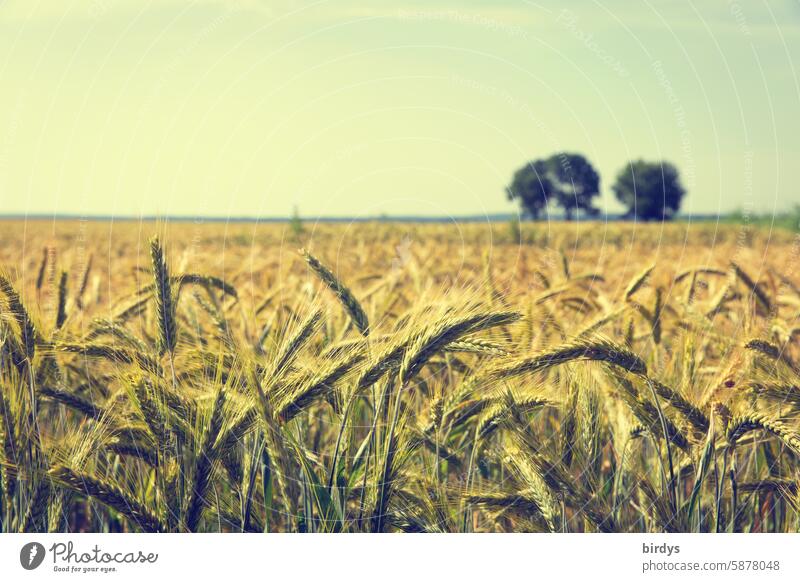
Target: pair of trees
649	190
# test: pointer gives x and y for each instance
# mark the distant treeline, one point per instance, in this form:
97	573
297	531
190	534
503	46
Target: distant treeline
788	219
648	190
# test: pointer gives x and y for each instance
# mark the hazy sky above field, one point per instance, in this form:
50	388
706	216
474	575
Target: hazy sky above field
356	107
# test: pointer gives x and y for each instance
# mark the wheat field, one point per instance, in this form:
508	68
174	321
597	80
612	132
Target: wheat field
383	377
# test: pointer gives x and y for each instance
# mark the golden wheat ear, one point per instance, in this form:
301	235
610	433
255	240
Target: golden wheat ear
61	310
109	494
27	331
638	282
341	291
165	300
752	286
200	480
741	425
597	349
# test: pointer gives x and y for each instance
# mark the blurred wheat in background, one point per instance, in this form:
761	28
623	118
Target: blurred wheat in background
398	377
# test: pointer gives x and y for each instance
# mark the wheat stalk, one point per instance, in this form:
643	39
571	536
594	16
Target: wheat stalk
201	477
741	425
342	292
28	332
754	287
597	350
638	282
165	301
109	494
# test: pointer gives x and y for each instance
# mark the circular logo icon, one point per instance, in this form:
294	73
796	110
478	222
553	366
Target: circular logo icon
31	555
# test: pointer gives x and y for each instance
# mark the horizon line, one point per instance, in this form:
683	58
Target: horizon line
495	217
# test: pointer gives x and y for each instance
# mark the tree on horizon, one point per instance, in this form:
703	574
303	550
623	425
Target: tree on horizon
649	190
565	179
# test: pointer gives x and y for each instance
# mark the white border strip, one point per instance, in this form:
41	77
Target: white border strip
412	557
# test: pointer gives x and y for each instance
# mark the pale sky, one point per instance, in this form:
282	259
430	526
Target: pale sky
357	108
